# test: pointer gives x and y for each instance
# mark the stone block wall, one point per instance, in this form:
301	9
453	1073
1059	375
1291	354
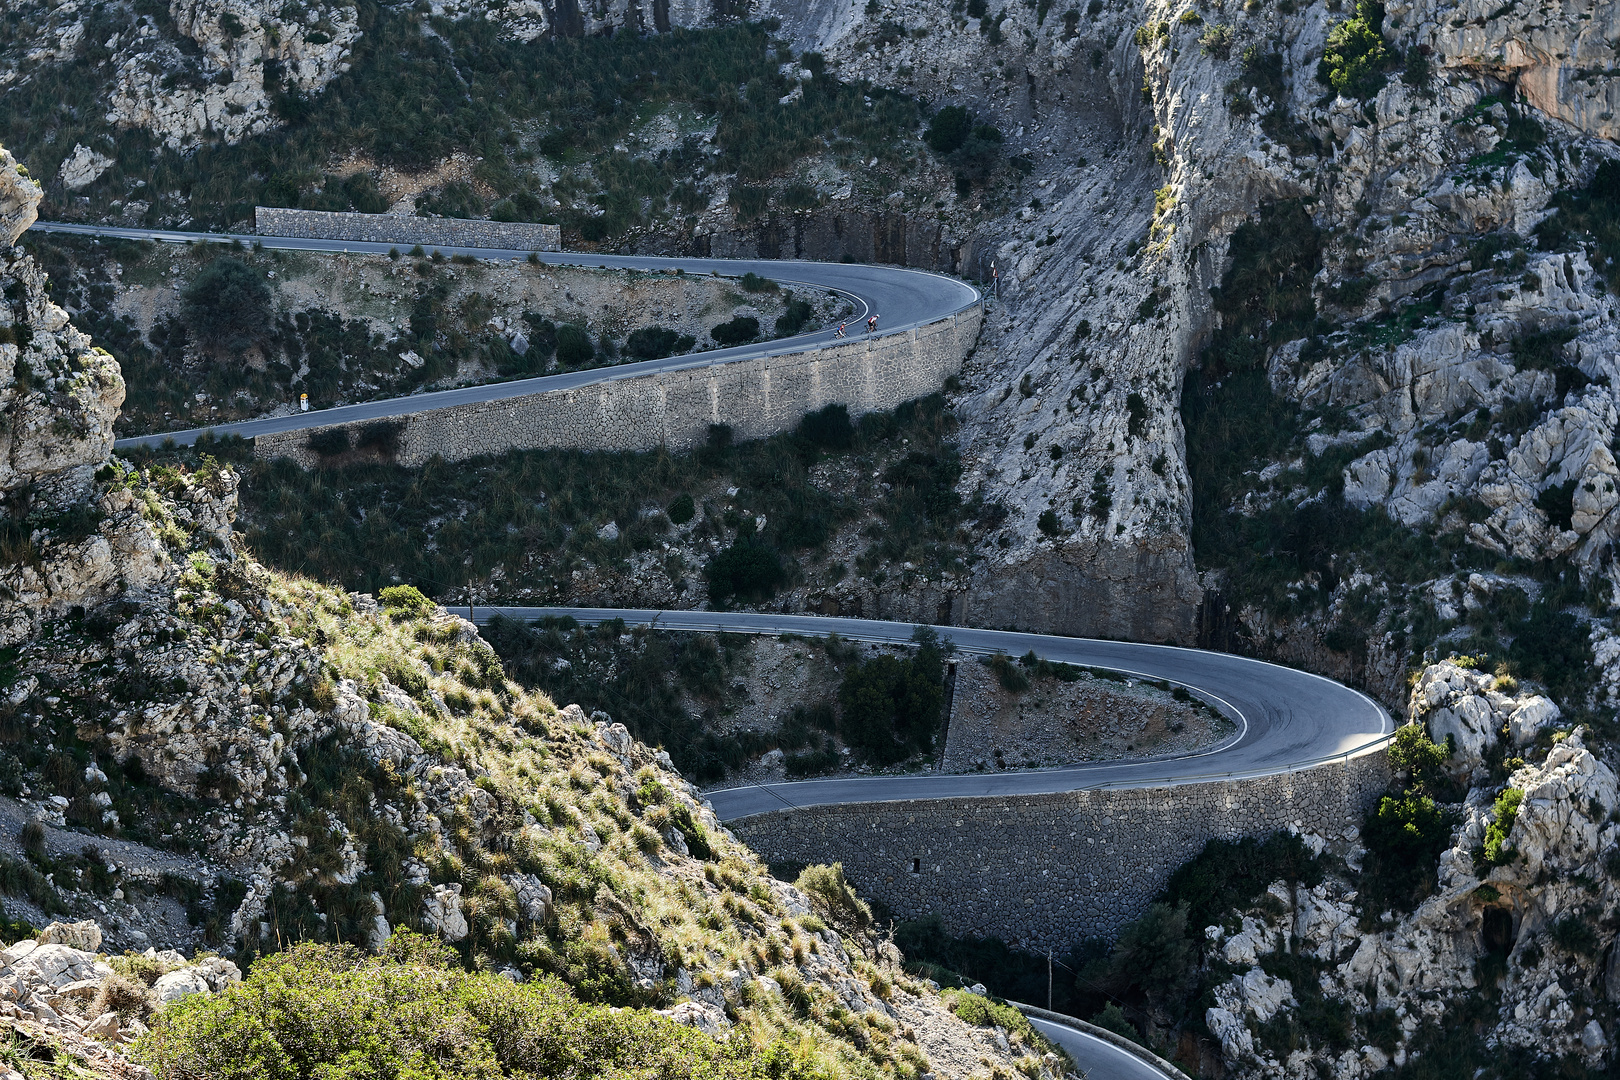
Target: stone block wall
756	397
402	229
1041	871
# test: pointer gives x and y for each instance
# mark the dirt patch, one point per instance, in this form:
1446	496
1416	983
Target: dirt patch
1054	722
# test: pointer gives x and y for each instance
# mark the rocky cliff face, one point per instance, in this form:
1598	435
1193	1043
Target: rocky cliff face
71	537
209	71
1151	134
1518	947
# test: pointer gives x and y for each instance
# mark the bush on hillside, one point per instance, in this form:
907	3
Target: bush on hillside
793	318
227	306
655	342
329	1011
749	569
404	600
835	896
1414	753
1505	811
1405	835
681	509
828	428
1112	1018
948	129
739	331
1357	58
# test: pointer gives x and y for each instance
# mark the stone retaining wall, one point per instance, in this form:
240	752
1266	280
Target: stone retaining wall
755	397
402	229
1042	871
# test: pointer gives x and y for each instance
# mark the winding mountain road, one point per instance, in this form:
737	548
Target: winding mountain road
901	299
1286	719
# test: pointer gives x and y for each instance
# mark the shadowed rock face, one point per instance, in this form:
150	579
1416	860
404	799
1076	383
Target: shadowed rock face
1142	592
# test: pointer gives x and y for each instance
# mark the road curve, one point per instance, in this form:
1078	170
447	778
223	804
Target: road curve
901	298
1286	719
1097	1053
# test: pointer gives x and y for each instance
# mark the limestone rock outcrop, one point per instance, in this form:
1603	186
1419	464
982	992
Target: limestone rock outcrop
1536	921
235	56
74	534
1465	710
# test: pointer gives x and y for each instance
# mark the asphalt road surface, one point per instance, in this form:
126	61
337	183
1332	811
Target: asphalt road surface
1286	719
900	298
1098	1059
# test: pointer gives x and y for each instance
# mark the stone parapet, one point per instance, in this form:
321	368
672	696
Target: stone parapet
1042	871
403	229
755	397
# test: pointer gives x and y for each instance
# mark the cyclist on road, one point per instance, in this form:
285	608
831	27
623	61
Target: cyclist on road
840	330
871	324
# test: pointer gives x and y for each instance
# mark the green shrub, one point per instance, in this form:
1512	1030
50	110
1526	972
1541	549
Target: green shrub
1557	501
980	1011
749	200
381	436
754	283
542	337
327	1011
948	129
404	600
1592	214
828	428
227	305
793	318
1505	812
739	331
1357	57
1575	934
1156	955
1047	522
1112	1018
1008	675
329	441
1554	648
574	348
1414	753
1405	835
1229	875
1265	296
655	342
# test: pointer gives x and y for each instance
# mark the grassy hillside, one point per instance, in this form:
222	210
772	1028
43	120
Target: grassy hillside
362	762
